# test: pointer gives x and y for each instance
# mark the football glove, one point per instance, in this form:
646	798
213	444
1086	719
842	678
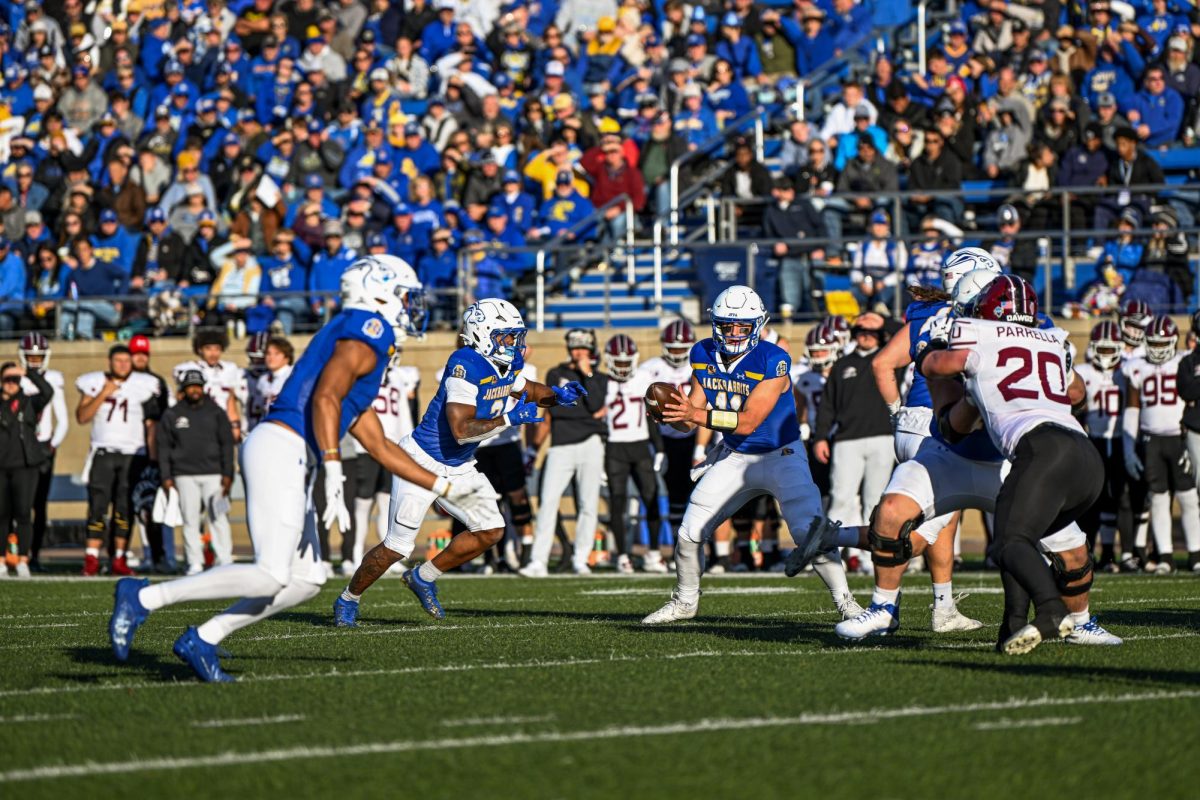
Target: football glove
569	394
525	413
660	462
335	497
939	328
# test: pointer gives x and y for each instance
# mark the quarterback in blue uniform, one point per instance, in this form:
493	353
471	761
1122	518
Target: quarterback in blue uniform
482	392
740	387
329	392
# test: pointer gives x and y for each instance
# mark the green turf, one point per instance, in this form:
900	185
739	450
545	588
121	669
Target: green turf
551	689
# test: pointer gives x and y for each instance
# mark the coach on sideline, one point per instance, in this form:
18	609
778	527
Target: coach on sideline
195	455
854	417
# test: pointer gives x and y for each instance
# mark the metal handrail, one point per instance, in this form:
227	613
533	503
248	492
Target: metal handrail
712	143
921	35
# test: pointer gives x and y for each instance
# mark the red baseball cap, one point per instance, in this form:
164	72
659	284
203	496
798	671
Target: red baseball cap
139	344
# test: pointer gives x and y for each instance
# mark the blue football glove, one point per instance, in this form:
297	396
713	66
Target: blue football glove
569	395
525	413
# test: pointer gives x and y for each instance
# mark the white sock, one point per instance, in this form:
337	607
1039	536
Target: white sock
1081	617
687	571
93	551
350	596
1160	521
1189	518
943	595
848	536
252	609
428	572
721	549
1143	530
219	583
362	522
885	596
828	567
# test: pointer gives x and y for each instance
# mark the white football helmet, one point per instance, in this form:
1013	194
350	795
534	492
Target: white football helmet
389	286
964	260
737	305
968	287
486	325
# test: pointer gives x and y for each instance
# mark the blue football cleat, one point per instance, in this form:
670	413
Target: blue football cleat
345	613
128	614
201	656
426	592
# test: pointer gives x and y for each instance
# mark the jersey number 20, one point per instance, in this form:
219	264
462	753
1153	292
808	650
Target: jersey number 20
1045	361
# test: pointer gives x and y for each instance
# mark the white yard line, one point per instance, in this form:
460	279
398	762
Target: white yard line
707	592
680	728
471	721
1010	724
36	718
240	723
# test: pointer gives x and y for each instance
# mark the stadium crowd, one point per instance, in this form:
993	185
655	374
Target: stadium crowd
235	155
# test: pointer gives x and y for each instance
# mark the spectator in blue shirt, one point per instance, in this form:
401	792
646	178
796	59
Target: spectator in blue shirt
328	264
403	240
361	160
438	273
423	156
740	51
113	243
438	37
563	209
726	96
504	235
1110	75
695	122
1157	111
88	277
849	23
12	287
520	206
1159	20
813	45
847	148
283	273
155	48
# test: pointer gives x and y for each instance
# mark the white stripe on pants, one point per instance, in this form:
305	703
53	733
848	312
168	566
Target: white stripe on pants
194	493
860	470
583	461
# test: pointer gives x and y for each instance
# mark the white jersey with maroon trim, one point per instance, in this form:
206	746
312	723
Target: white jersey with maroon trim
269	385
1162	408
221	380
120	423
1105	400
255	403
1017	376
52	424
626	408
1129	358
659	370
810	384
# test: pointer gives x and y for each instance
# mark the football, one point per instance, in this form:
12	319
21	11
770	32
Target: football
658	395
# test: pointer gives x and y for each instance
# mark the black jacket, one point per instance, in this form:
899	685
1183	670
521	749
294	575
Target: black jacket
574	424
1189	389
851	407
798	221
19	446
195	440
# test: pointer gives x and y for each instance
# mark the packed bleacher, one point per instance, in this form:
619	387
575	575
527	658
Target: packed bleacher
166	164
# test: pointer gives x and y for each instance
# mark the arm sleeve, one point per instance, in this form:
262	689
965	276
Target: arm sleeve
45	391
166	451
827	412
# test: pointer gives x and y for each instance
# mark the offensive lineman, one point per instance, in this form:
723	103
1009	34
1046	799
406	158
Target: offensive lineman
740	386
478	381
34	354
329	392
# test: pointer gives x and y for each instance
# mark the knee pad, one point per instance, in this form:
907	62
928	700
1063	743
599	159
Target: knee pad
269	582
522	513
400	540
893	552
1065	577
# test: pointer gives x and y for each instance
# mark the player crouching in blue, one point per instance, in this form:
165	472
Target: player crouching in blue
481	393
329	392
741	387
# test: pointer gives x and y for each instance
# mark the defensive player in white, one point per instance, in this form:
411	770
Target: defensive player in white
223	380
1154	445
680	450
479	380
121	406
329	392
1134	318
1105	386
278	357
740	386
633	443
1021	387
34	354
252	373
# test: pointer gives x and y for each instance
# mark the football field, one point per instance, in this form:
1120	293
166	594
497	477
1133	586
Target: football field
551	689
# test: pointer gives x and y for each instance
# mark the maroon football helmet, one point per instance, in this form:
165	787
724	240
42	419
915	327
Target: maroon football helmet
1161	337
256	348
34	344
1135	317
840	327
821	345
1104	346
1007	299
620	357
677	340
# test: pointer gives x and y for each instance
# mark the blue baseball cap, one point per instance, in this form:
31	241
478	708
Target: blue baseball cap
695	39
412	128
173	66
880	217
698	14
497	210
313	181
502	80
108	215
4	243
14	72
731	20
957	28
315	126
206	216
230	138
383	156
511	176
205	105
181	90
563	179
155	214
401	209
376	240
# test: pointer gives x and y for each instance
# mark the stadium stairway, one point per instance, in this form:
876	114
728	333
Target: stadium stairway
631	305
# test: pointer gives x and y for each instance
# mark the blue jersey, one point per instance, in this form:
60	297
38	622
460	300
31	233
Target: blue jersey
917	317
469	379
293	406
727	390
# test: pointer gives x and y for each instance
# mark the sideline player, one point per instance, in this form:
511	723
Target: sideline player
740	386
1134	318
330	391
254	371
680	450
1155	449
822	348
477	383
1102	417
1021	386
34	354
222	379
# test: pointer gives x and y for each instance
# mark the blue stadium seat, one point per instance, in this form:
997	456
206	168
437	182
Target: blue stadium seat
1177	159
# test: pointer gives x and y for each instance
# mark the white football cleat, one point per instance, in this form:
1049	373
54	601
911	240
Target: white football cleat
581	569
673	611
1029	637
1093	633
348	568
534	569
848	607
653	562
22	571
879	619
328	568
949	620
624	565
194	569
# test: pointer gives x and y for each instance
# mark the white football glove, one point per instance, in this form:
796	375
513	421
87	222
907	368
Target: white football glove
939	329
470	495
660	462
335	497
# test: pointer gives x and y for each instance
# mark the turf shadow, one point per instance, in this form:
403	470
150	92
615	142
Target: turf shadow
140	662
1179	618
492	613
751	629
1133	676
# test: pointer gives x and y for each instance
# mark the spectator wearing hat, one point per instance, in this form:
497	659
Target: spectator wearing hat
438	272
362	160
1157	111
155	47
612	177
27	191
187	176
198	268
1013	254
1085	164
36	233
1123	252
878	263
222	164
483	182
695	122
416	155
1110	120
519	205
283	274
847	143
319	57
17	90
793	219
776	51
12	287
83	102
36	18
185	217
868	175
1005	146
196	455
1130	167
328	264
236	286
1166	254
739	50
89	278
562	211
158	261
317	156
508	240
700	62
113	243
403	239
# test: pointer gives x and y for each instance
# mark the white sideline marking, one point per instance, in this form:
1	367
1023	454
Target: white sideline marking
1010	724
37	718
468	721
681	728
573	662
707	592
237	723
41	625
